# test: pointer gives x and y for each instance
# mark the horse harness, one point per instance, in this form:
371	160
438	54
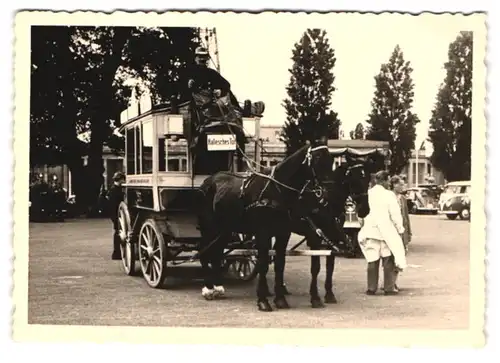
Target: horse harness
270	203
354	196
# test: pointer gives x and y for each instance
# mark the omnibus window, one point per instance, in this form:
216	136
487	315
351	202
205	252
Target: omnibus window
138	143
130	135
147	148
173	154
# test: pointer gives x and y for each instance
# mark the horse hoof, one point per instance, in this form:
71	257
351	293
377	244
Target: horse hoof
219	292
207	293
330	299
264	306
281	303
317	304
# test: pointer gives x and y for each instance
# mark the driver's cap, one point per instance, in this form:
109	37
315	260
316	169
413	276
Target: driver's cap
201	51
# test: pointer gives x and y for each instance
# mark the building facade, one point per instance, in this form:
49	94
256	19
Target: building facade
273	149
48	171
111	164
421	171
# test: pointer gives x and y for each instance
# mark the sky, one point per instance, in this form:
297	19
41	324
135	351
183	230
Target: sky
255	58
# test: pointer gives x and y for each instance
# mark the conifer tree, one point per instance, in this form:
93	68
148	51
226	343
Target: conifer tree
358	133
391	118
309	92
450	124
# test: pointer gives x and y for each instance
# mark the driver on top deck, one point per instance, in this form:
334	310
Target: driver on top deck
206	83
207	87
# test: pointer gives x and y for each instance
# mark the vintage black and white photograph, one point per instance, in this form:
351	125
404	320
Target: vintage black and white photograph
225	170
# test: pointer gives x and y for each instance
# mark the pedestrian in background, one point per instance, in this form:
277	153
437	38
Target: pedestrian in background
380	236
398	186
115	197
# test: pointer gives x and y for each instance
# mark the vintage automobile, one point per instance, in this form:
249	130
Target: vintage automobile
434	188
455	200
421	200
47	202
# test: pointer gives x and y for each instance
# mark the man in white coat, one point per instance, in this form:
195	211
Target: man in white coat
380	236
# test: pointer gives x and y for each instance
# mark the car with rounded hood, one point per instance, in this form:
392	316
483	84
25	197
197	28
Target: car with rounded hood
454	201
421	200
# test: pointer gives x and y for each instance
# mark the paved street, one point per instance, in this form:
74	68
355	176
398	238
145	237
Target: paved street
73	281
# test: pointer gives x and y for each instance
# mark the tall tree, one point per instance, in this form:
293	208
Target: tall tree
358	133
78	85
450	124
309	92
54	105
391	118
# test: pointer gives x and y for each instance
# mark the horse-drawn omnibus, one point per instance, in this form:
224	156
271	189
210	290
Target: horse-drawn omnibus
157	223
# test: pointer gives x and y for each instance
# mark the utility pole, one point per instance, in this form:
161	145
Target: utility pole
416	168
208	38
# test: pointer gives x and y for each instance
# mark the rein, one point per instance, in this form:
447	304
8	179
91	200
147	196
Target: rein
270	177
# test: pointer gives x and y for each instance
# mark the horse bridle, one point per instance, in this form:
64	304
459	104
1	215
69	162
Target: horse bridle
354	196
317	188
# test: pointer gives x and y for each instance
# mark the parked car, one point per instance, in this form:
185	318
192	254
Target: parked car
434	188
47	202
421	200
455	200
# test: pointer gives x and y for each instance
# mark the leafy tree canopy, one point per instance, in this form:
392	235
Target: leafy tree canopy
79	84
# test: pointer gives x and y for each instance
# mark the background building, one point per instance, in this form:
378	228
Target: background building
425	170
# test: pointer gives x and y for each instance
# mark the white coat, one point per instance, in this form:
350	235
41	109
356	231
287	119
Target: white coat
380	234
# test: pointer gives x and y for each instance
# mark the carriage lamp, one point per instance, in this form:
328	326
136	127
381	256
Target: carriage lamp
349	208
247	108
249	126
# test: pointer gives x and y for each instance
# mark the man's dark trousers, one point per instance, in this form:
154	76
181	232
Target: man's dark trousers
389	274
117	255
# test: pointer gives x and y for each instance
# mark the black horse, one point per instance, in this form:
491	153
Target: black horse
261	205
350	180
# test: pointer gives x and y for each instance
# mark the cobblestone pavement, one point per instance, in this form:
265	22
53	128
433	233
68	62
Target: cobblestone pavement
72	280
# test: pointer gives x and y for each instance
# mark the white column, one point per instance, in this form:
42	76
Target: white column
416	170
410	172
69	183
